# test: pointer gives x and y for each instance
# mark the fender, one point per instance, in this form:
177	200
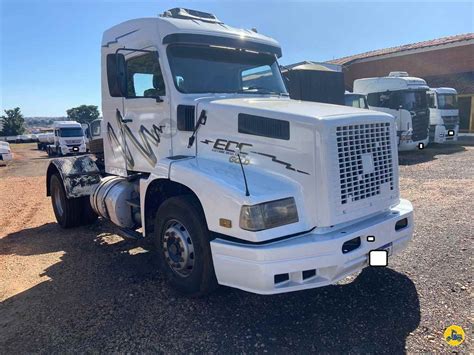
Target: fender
80	175
220	189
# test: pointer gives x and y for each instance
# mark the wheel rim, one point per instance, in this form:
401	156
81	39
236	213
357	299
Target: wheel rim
57	200
178	248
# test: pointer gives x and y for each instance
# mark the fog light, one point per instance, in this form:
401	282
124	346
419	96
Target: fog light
281	278
401	224
308	274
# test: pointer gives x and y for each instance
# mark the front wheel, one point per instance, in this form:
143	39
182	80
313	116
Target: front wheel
182	241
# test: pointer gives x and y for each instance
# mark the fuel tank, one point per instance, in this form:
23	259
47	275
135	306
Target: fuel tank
114	198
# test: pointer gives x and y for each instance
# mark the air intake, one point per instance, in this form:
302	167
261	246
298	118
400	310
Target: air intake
398	74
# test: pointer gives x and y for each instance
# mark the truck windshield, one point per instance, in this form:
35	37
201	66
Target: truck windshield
412	100
71	132
447	101
212	69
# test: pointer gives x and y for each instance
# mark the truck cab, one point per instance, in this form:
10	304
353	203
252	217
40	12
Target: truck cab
444	115
234	182
403	97
68	139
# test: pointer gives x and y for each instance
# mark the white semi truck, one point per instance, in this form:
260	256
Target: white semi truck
444	115
68	139
234	182
403	97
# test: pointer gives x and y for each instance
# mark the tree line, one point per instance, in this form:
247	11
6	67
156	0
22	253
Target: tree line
14	122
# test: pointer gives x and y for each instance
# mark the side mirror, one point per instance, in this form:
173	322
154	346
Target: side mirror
116	75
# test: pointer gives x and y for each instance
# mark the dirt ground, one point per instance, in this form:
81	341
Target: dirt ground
87	289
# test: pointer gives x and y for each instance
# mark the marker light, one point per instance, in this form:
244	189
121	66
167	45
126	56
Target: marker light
268	215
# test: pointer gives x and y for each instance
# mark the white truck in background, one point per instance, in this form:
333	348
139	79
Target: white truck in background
403	97
444	115
5	153
68	139
237	184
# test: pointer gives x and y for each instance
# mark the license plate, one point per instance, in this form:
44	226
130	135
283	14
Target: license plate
75	149
388	247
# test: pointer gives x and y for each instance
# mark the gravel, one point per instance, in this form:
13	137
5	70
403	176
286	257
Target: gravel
87	289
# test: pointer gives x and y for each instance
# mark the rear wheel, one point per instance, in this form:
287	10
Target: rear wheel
69	212
182	240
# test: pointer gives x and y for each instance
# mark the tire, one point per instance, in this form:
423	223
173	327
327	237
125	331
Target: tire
72	212
197	277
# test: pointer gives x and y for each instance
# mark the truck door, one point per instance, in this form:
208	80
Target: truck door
146	112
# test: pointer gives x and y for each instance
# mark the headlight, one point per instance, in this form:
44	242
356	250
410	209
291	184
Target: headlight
406	136
268	215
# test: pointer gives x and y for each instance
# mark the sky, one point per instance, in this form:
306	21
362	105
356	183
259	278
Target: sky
50	49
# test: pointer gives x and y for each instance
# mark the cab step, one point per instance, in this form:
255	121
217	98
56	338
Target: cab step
130	234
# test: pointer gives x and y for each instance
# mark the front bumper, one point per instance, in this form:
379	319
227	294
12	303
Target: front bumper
4	157
73	149
253	267
405	146
440	134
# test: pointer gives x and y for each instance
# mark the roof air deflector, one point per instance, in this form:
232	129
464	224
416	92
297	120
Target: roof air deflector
188	14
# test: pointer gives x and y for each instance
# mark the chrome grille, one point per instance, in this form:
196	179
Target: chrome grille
365	160
451	120
420	124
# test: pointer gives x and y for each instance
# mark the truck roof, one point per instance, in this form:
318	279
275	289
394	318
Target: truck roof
388	83
161	27
444	90
66	124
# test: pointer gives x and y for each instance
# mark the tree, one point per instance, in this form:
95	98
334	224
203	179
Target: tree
83	113
13	122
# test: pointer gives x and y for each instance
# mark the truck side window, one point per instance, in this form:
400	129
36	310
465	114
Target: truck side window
373	99
95	129
144	77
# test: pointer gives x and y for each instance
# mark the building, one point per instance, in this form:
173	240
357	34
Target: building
442	62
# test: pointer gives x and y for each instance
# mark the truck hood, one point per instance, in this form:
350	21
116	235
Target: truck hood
312	148
295	110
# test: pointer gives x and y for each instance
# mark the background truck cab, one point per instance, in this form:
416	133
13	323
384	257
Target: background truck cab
444	115
404	98
68	138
